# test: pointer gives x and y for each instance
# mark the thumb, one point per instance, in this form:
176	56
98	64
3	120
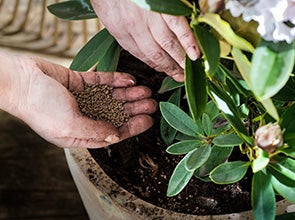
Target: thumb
88	133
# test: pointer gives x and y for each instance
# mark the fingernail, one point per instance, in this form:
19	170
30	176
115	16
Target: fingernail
112	139
192	53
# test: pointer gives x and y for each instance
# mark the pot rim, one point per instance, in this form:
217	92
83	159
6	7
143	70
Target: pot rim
102	182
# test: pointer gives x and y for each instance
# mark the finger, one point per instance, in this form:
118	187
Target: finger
114	79
145	106
74	80
68	78
167	39
135	126
181	28
155	56
90	134
132	93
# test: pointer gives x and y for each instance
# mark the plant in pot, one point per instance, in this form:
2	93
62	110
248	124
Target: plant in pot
239	96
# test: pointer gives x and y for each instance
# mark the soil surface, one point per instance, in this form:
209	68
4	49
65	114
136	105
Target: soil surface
142	166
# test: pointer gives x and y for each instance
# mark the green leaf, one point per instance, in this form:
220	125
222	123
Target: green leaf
207	124
109	62
73	10
184	147
169	84
168	133
272	66
289	126
230	172
286	166
244	67
179	120
289	151
263	197
227	140
209	46
261	161
237	84
172	7
229	109
197	157
218	155
286	216
211	110
224	29
179	179
287	93
283	185
195	87
93	51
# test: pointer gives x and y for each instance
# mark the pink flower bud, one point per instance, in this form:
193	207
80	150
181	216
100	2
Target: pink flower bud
269	137
213	6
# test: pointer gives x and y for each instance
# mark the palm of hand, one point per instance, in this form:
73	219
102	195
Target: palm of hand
48	107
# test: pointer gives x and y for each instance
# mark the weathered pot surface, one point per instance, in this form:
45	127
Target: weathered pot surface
104	199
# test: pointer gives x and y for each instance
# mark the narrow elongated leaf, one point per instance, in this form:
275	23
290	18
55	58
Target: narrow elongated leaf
243	64
179	120
218	155
195	87
244	67
286	216
73	10
289	125
287	167
93	51
227	106
271	68
197	157
227	140
225	30
289	151
179	179
207	124
109	62
169	84
229	172
168	133
173	7
283	185
211	110
261	160
238	86
209	46
287	93
184	147
263	197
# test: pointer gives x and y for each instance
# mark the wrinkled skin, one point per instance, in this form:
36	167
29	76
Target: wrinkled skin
159	40
37	92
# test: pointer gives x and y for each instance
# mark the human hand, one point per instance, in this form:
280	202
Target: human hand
159	40
39	95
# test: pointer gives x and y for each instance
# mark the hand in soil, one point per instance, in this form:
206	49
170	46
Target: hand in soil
41	97
159	40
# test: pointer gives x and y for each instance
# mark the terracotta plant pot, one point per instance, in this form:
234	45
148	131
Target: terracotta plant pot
104	199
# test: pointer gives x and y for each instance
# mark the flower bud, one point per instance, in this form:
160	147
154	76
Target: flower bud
213	6
269	137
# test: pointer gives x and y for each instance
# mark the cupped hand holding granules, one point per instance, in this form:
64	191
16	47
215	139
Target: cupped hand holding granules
97	102
125	108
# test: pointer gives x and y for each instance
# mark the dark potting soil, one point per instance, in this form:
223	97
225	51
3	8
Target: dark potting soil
141	165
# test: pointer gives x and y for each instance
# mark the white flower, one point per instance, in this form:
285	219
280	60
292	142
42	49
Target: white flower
276	19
